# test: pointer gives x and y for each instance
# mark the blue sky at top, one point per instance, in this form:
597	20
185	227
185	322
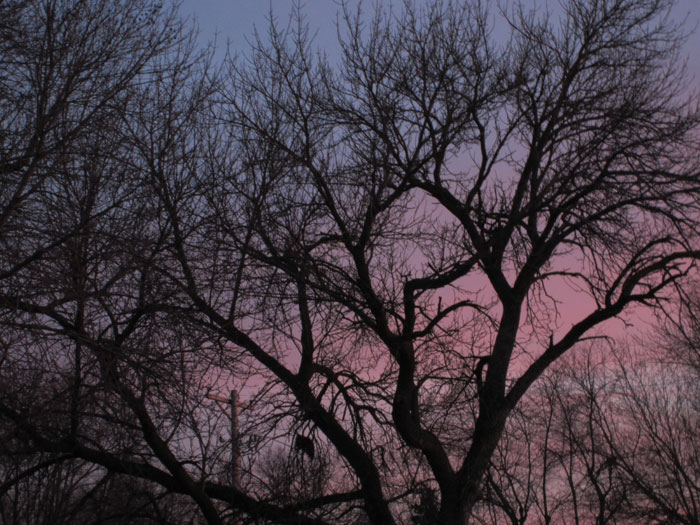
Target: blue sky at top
231	22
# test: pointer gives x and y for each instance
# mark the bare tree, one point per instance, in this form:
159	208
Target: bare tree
586	399
76	287
101	361
64	77
377	247
652	427
429	192
620	446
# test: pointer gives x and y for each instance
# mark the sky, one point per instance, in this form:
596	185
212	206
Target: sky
232	21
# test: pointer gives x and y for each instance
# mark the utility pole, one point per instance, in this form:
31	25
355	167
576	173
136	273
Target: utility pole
234	405
235	442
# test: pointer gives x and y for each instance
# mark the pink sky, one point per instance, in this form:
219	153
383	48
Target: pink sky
231	22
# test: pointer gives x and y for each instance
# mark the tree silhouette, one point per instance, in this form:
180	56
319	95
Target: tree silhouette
374	249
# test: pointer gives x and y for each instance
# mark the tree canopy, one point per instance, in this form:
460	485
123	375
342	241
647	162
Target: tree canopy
372	250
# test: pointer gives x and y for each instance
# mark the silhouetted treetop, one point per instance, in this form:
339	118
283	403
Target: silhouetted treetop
381	253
